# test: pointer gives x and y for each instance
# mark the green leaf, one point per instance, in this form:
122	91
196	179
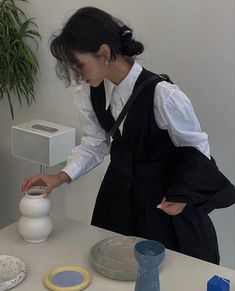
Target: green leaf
18	63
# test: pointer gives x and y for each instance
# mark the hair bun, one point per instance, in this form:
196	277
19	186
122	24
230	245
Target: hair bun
130	46
126	34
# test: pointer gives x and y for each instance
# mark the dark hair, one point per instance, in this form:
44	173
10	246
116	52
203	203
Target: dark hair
86	30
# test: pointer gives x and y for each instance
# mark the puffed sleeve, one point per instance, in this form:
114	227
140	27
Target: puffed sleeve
174	112
195	177
95	143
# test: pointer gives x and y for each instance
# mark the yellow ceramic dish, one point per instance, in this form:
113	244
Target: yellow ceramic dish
66	279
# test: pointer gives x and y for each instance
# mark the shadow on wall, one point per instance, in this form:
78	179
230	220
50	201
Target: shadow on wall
5	221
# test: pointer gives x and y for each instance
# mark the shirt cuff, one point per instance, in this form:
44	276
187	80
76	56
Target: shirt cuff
73	170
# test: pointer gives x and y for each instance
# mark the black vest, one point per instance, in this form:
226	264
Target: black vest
150	145
138	178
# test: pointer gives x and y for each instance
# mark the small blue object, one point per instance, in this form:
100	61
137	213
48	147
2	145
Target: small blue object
217	283
67	278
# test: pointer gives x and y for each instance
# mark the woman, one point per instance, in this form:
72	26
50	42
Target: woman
135	197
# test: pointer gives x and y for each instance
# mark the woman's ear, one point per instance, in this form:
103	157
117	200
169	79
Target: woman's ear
105	52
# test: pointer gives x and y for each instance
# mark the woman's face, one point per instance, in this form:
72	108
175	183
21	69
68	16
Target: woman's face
91	68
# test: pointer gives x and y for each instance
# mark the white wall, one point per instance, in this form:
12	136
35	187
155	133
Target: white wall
192	41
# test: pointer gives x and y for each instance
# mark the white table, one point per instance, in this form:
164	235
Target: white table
70	244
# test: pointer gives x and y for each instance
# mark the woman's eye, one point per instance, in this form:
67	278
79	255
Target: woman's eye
77	66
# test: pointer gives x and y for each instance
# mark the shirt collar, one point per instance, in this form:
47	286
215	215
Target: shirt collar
125	88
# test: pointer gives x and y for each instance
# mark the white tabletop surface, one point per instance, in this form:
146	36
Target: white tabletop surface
70	244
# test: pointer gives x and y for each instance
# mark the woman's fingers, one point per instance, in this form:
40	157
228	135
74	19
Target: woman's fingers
26	184
164	204
49	181
171	208
48	189
29	182
46	193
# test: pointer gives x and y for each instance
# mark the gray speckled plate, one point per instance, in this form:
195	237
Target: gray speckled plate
114	257
12	272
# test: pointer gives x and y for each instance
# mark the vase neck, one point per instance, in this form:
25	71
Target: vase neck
34	194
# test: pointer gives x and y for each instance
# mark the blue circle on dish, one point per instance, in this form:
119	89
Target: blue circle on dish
67	278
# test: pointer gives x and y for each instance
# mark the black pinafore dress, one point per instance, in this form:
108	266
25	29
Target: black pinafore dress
138	177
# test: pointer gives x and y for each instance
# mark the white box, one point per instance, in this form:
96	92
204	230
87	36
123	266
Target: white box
42	147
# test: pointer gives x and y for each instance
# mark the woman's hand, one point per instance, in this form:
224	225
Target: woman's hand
49	181
171	208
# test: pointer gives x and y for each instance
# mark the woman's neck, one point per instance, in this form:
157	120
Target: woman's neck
119	69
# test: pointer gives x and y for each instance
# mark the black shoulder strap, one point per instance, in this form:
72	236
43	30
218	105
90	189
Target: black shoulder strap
130	101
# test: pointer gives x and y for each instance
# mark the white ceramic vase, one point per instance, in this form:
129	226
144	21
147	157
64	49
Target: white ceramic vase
35	224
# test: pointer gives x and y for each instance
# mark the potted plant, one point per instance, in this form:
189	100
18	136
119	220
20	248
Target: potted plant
18	64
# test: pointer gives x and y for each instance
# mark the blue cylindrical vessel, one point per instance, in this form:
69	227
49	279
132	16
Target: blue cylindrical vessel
149	254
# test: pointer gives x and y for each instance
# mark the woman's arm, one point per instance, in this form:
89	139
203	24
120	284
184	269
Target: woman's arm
95	143
94	146
174	112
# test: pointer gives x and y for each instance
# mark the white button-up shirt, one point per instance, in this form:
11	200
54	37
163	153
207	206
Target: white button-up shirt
173	112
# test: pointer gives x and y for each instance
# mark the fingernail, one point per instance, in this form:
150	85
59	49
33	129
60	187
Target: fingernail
159	206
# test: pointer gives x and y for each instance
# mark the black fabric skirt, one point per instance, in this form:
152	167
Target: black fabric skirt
126	204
